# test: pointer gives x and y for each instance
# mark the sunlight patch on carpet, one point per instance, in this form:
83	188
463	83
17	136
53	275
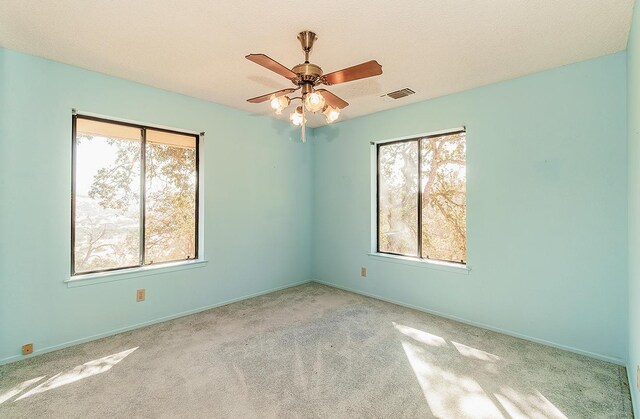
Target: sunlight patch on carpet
88	369
420	336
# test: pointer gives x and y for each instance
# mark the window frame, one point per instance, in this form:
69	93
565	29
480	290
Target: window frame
143	134
376	236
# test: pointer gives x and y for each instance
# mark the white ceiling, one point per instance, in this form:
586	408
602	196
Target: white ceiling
434	47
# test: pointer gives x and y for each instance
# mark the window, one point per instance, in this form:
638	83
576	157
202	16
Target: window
134	195
421	197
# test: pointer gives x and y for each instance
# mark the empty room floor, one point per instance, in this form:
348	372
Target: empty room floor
313	351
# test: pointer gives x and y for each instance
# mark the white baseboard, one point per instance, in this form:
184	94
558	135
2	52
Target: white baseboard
143	324
481	325
632	382
234	300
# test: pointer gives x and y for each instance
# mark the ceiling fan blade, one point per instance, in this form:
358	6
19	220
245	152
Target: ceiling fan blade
272	65
263	98
360	71
332	99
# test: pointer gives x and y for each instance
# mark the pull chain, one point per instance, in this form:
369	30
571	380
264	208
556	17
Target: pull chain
304	123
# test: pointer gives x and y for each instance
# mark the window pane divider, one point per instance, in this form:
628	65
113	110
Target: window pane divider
143	193
419	208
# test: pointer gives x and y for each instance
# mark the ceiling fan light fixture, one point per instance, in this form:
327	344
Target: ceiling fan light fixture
279	103
331	113
314	102
297	118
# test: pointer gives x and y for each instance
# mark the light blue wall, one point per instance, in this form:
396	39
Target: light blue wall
547	207
257	205
633	127
547	196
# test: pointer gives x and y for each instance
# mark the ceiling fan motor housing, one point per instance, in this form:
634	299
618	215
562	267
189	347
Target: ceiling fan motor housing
308	72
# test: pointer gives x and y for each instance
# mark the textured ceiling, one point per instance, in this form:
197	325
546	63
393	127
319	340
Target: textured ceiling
434	47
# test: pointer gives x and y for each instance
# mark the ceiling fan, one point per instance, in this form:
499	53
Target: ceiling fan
307	76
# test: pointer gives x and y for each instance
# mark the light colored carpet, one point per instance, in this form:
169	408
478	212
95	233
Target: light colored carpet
312	351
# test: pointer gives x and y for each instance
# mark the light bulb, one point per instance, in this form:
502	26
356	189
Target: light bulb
279	103
297	117
331	113
275	103
314	102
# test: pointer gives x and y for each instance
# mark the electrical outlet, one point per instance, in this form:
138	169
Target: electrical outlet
140	295
27	349
363	272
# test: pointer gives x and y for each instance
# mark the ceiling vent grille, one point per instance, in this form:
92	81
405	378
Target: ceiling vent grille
400	93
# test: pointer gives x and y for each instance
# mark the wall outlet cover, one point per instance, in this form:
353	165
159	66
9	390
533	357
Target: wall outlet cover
140	295
363	272
27	349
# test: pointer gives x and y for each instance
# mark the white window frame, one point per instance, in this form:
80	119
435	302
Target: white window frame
463	268
158	268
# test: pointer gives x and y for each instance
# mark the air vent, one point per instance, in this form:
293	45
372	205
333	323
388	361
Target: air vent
400	93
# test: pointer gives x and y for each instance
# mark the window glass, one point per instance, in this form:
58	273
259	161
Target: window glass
398	198
107	201
444	207
171	178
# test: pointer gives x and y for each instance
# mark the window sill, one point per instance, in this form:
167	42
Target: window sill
423	263
100	277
